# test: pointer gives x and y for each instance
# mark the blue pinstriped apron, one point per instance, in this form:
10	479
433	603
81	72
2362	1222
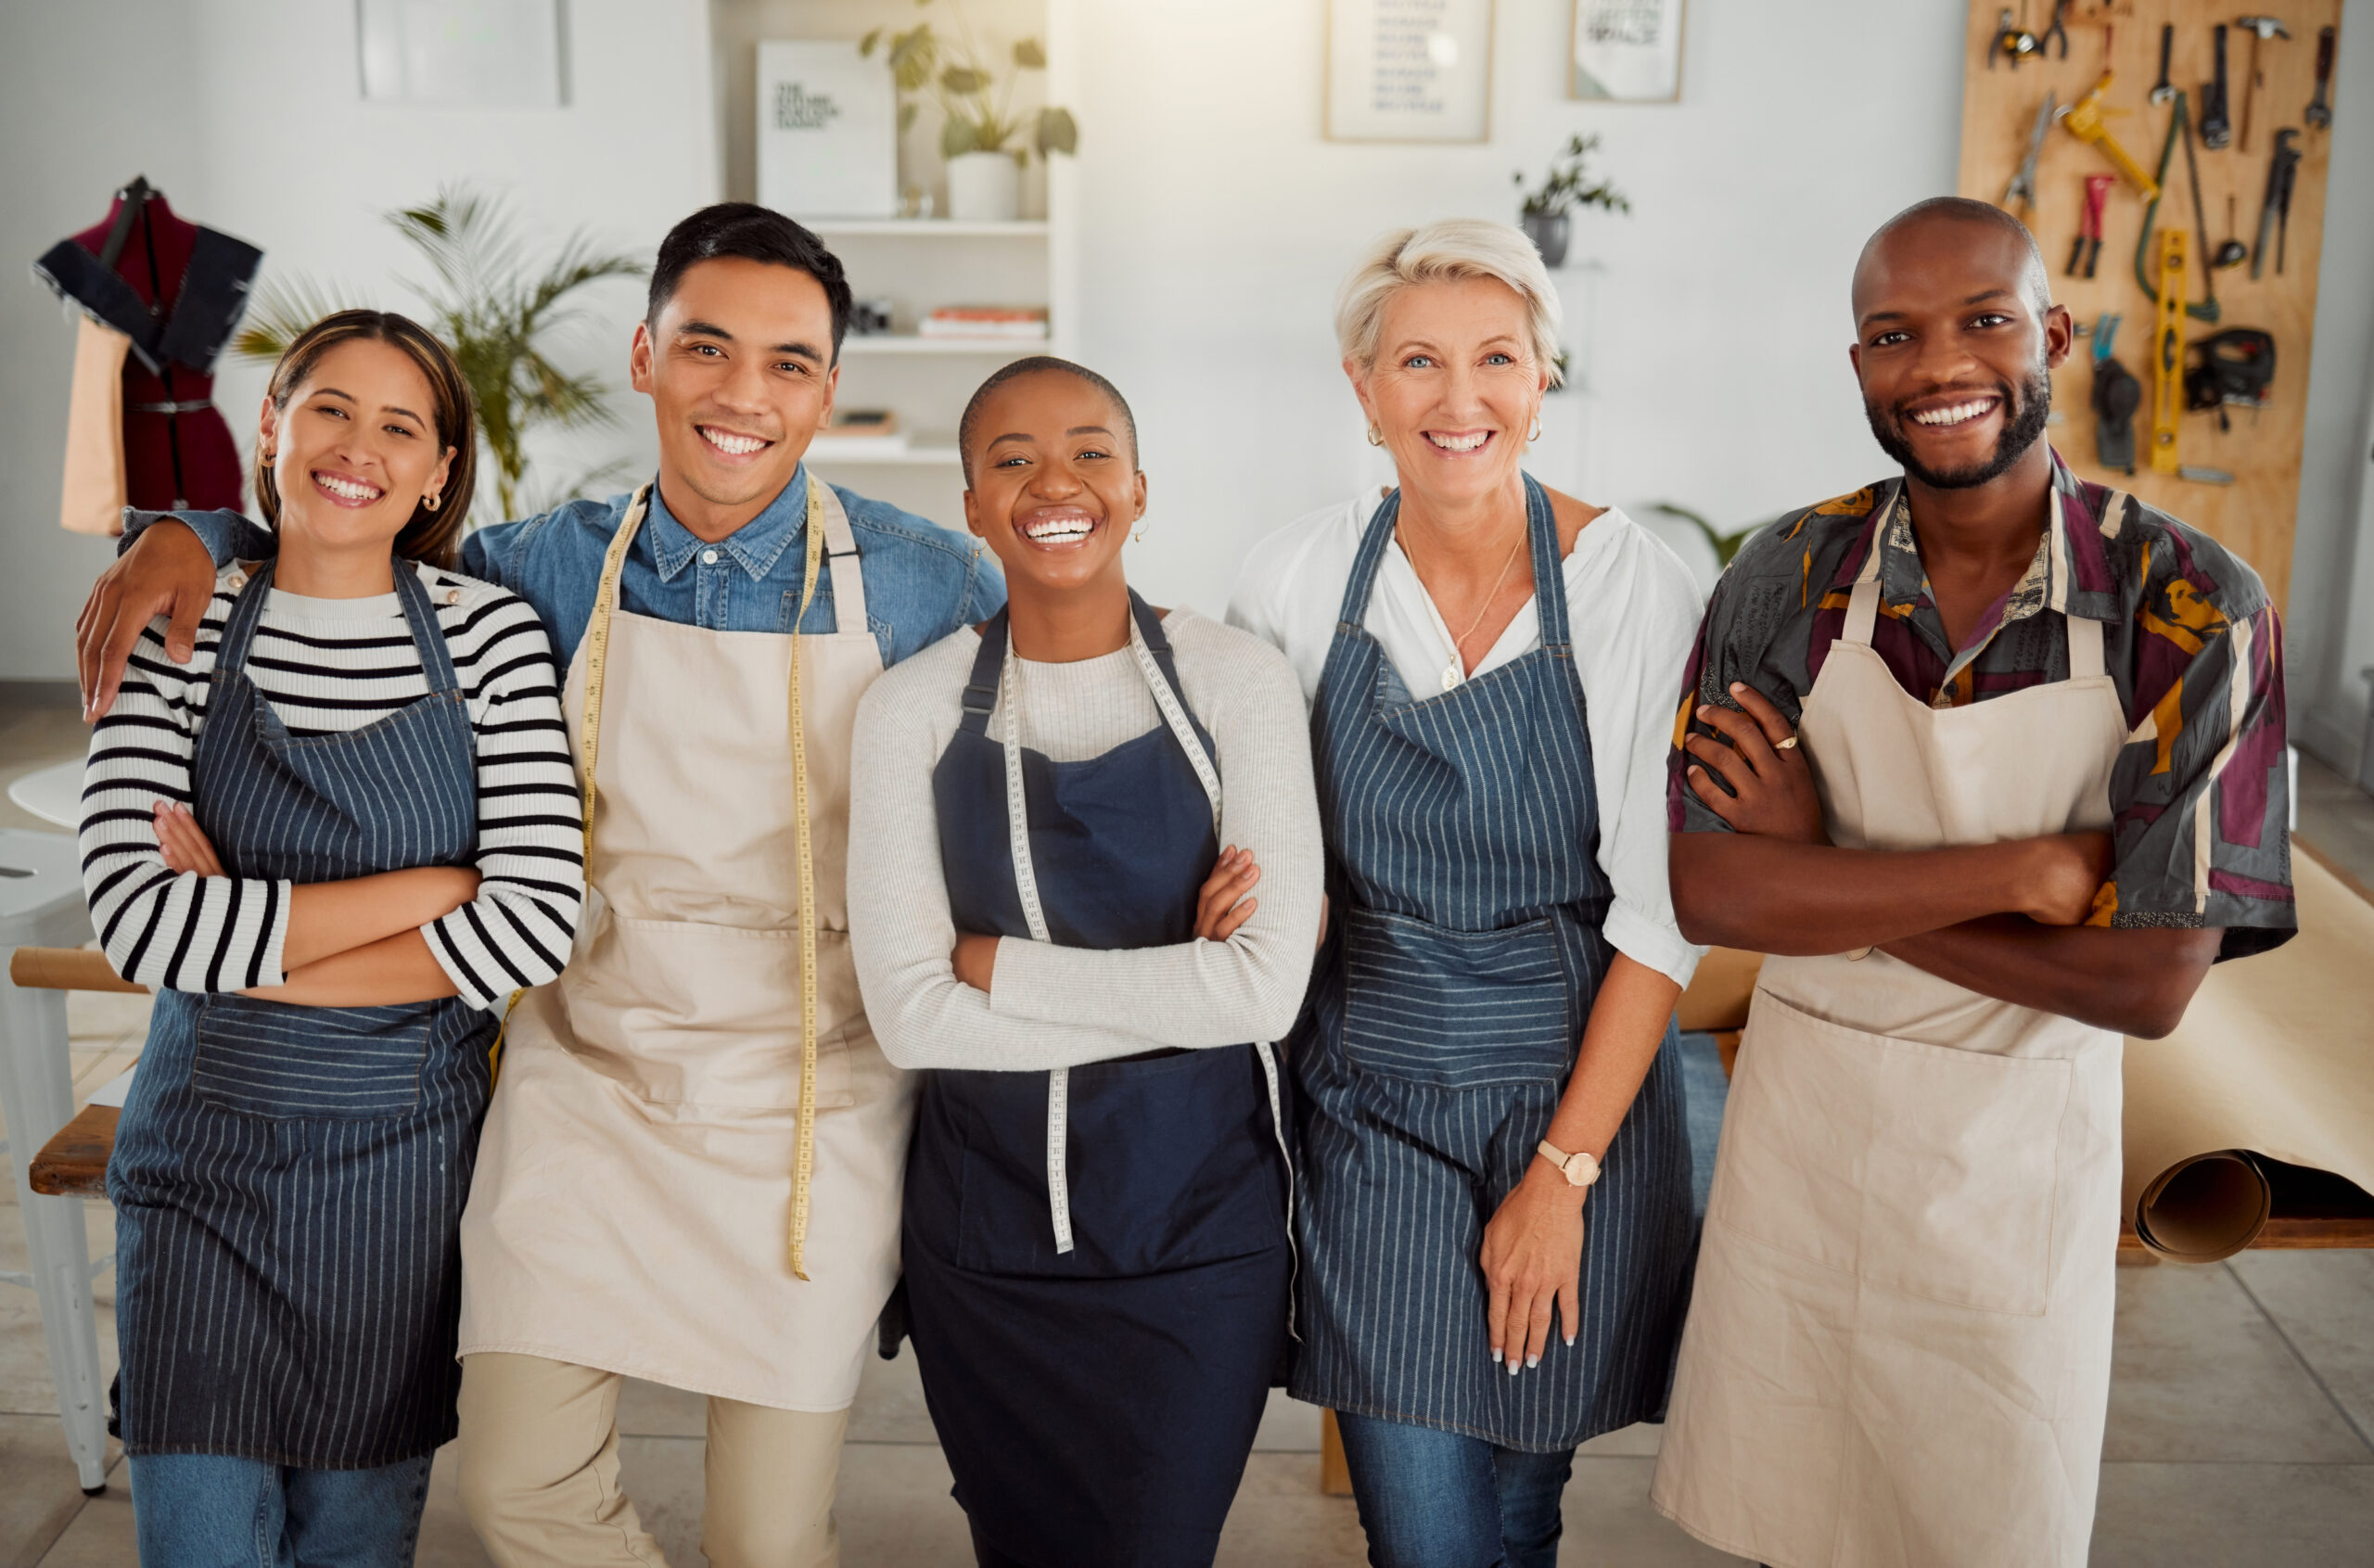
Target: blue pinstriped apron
1097	1400
1462	837
287	1180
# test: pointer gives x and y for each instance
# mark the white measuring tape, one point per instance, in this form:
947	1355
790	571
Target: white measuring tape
1025	885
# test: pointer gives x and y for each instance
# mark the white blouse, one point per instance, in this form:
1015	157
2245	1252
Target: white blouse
1633	610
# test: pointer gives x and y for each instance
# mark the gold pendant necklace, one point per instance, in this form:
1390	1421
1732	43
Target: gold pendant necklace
1455	669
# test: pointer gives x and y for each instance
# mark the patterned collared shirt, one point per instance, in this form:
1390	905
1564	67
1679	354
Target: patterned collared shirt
2189	639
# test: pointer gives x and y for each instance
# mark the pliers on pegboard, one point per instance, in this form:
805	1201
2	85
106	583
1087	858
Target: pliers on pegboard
2086	248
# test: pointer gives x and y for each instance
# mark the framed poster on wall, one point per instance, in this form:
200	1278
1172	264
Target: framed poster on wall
828	131
1409	70
1628	50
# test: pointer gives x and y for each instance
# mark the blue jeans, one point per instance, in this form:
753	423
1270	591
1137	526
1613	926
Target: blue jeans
1430	1498
208	1511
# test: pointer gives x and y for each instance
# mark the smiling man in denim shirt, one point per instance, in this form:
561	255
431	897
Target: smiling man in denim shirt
637	1176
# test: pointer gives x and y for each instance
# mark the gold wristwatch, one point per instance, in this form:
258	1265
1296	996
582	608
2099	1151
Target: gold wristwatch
1580	1170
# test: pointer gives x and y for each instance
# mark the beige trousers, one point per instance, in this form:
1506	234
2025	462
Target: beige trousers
539	1473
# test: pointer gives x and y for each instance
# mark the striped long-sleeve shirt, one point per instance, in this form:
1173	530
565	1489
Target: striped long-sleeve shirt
328	665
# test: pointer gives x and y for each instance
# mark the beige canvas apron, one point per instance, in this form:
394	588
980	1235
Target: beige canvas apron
1898	1348
633	1208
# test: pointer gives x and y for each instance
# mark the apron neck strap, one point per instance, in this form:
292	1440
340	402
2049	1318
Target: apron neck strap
436	659
981	687
1541	530
239	631
825	510
420	620
1863	605
1365	564
1549	566
2085	633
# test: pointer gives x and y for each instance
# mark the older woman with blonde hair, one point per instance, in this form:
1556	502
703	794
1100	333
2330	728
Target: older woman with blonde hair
1491	666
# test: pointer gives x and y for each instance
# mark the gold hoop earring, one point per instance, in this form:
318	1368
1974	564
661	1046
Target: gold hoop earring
1137	536
1537	430
1376	437
431	501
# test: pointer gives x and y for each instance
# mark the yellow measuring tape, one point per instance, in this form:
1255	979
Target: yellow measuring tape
597	649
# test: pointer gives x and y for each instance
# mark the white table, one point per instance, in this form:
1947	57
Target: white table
40	905
54	794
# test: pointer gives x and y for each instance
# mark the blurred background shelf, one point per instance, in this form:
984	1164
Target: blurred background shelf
924	228
911	343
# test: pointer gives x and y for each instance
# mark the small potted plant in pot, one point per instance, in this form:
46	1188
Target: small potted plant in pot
1546	216
980	135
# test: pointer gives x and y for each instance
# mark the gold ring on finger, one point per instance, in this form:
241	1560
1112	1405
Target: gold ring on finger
1789	744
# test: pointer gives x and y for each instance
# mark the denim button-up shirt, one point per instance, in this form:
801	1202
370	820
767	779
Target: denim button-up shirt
921	581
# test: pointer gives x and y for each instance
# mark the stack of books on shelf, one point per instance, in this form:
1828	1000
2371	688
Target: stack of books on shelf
1003	323
858	432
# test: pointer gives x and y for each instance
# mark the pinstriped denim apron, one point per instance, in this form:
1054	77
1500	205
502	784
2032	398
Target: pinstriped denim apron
287	1180
1462	837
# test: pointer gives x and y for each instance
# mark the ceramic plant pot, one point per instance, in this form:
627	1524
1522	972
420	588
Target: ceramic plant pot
1548	234
983	187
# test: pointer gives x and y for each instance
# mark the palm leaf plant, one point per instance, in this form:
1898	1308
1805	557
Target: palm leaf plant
497	310
977	115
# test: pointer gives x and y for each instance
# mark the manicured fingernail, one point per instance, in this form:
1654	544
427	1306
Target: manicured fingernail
1737	688
1532	1360
1513	1365
1570	1342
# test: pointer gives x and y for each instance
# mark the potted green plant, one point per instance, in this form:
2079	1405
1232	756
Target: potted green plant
1545	215
497	312
980	134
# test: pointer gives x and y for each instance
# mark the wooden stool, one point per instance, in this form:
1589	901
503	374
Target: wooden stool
73	1164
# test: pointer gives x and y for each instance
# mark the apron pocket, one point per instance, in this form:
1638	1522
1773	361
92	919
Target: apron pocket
1455	1009
682	1012
1171	1163
1922	1169
273	1059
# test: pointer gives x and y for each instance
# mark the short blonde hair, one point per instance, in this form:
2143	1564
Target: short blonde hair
1453	248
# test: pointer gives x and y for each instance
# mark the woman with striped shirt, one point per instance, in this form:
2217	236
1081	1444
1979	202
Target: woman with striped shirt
335	836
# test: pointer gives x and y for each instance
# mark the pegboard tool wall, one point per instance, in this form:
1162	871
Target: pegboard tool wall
2253	515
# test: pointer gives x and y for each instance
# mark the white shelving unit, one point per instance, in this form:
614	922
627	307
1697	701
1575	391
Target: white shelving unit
910	343
927	228
919	263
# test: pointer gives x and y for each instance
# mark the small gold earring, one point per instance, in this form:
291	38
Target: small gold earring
1537	430
1137	534
1376	437
430	501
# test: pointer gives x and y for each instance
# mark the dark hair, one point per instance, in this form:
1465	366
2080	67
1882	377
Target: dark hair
433	535
755	234
1964	210
966	427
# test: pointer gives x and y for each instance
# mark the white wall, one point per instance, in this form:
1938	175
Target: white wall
1220	222
265	135
61	163
2330	628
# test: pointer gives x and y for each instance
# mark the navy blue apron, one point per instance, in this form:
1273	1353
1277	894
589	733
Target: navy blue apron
1096	1395
289	1180
1462	846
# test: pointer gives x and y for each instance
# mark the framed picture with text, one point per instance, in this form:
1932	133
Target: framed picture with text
828	131
1627	51
1409	70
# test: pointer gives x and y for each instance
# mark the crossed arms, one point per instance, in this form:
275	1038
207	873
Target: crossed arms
1999	919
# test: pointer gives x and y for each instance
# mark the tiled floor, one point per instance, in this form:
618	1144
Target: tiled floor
2242	1421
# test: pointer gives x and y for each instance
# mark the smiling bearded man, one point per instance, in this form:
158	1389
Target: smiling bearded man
652	1197
2040	789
